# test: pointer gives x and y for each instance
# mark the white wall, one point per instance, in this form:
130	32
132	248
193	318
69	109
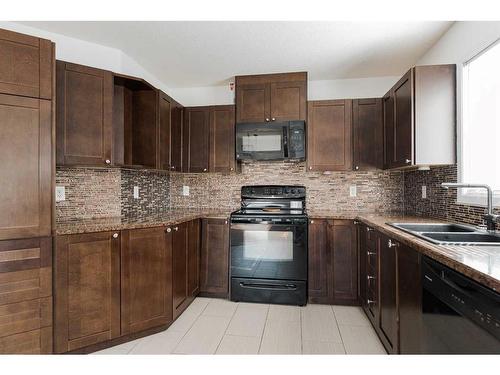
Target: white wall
91	54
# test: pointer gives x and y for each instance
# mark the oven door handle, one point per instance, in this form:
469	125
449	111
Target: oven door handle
268	286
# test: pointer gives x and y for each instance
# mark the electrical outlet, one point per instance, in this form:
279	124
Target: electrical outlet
424	192
60	193
136	192
353	191
185	190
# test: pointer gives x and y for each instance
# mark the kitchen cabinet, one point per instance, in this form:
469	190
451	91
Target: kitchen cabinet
87	290
215	258
196	141
135	116
329	135
222	138
420	118
146	279
176	125
84	115
26	64
271	97
26	296
367	134
165	131
26	168
409	300
193	253
333	262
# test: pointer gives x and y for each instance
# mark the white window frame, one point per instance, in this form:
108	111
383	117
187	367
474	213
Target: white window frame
471	197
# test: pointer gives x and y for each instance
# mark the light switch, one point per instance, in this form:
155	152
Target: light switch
185	190
60	193
424	192
353	191
136	192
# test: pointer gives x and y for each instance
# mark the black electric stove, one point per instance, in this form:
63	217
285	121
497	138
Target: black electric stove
269	245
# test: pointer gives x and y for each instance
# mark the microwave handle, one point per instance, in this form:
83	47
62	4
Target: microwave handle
285	140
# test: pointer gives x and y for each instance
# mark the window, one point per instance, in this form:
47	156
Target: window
480	133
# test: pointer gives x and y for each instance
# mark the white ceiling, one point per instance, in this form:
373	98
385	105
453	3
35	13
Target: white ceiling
190	54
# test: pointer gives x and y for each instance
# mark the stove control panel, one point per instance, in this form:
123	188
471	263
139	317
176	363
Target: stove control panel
273	191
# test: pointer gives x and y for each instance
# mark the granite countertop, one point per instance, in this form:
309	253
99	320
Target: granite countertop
172	217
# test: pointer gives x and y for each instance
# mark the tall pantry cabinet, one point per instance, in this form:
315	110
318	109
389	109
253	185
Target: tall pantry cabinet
26	172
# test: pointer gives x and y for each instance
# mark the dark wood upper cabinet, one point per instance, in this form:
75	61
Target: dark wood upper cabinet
419	114
271	97
214	273
87	290
26	168
84	115
388	293
26	296
146	279
26	65
222	133
288	101
196	143
410	300
165	131
329	135
333	262
176	144
135	115
367	129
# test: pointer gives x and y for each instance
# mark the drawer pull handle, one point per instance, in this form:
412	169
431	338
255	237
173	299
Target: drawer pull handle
115	235
392	244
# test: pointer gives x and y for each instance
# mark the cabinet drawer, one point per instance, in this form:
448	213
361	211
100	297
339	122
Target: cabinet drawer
25	316
38	341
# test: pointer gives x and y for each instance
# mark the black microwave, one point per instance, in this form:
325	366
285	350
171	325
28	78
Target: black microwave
271	141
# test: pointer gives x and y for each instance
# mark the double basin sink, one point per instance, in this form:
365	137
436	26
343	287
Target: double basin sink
449	234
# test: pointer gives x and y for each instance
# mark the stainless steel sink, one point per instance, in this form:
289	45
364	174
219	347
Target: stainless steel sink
449	233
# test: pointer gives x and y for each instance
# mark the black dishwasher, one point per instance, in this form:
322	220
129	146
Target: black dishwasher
460	316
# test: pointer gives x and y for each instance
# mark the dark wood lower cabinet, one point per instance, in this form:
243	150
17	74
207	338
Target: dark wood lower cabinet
87	290
410	300
333	262
215	258
146	279
193	243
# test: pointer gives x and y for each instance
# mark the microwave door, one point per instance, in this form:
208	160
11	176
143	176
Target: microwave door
259	142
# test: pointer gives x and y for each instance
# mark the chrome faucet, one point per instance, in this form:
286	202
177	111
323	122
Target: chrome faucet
490	217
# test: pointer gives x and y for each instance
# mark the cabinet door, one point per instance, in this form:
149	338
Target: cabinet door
368	146
362	250
215	257
26	167
320	279
176	124
179	269
25	65
84	115
410	300
164	137
388	118
146	275
253	103
26	296
387	287
329	135
194	237
196	139
403	121
288	101
344	262
222	135
87	290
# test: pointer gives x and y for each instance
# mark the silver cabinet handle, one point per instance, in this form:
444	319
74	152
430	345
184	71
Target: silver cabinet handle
408	161
176	229
371	253
172	167
204	169
368	229
310	168
370	302
232	169
356	167
107	161
273	119
115	235
312	221
225	221
168	230
267	119
370	277
392	244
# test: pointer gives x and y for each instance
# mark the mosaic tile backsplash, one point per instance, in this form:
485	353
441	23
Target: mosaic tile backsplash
376	190
440	203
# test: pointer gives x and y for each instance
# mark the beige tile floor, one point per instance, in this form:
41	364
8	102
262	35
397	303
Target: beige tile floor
214	326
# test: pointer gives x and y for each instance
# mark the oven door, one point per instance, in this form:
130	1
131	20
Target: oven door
261	141
269	251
